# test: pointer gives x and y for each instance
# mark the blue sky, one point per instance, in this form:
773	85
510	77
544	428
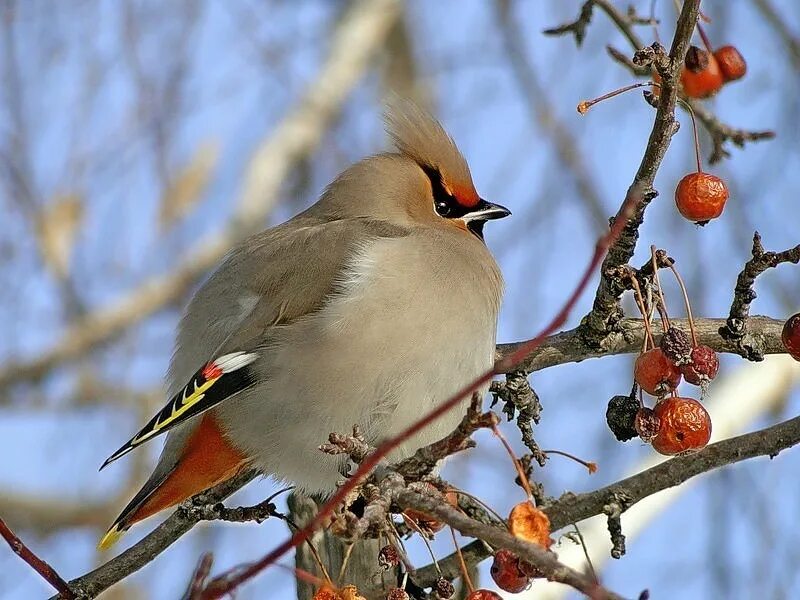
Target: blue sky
247	65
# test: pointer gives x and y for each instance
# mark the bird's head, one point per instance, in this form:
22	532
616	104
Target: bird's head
425	182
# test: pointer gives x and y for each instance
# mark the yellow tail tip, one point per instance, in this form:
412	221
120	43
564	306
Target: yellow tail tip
110	538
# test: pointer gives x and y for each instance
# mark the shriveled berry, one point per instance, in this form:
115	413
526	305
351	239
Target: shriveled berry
701	197
388	557
530	524
703	83
326	592
647	424
703	366
696	59
655	373
484	595
398	594
507	573
444	589
621	416
731	63
790	336
350	592
677	345
684	425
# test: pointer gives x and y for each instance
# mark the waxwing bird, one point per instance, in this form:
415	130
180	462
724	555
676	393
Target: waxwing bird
371	307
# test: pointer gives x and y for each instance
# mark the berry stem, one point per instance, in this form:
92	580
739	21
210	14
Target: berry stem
665	324
590	466
637	296
586	552
653	20
583	107
479	501
704	37
418	529
690	110
702	33
461	562
523	477
686	302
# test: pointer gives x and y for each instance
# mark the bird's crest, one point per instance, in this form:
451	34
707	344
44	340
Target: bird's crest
419	136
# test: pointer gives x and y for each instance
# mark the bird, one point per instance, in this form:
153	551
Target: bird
369	308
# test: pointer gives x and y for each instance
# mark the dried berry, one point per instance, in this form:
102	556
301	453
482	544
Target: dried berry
647	424
388	557
398	594
507	573
703	366
791	336
530	524
484	595
684	425
655	373
444	589
701	197
326	593
350	592
731	63
703	83
696	59
621	417
677	345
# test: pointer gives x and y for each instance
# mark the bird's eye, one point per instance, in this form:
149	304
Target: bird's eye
443	208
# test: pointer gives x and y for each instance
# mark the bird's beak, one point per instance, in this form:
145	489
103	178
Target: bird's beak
485	211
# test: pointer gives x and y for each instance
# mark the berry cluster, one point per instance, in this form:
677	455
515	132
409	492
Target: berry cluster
705	71
676	424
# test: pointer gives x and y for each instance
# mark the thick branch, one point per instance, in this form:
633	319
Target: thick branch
605	311
572	508
163	536
546	562
569	346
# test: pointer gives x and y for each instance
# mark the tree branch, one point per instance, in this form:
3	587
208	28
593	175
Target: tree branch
37	564
737	327
573	508
606	313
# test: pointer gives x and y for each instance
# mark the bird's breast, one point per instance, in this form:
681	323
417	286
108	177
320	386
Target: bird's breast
408	326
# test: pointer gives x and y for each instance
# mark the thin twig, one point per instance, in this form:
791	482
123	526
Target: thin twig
47	572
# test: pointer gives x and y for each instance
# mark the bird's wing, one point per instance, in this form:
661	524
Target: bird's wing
272	279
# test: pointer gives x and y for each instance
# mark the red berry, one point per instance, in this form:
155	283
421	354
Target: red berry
507	573
703	83
398	594
484	595
791	336
731	63
647	424
701	197
703	366
683	425
655	373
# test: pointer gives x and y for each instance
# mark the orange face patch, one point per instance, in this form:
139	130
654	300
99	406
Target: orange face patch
465	196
